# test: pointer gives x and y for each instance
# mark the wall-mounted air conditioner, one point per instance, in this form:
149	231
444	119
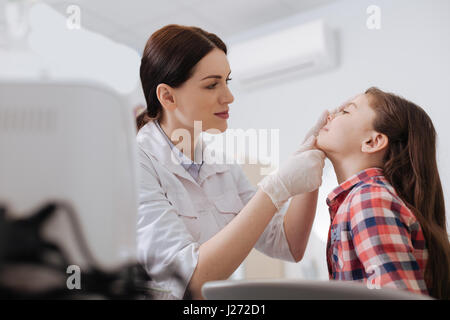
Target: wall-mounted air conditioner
295	51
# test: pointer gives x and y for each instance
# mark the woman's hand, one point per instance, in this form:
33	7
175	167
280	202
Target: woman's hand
302	172
314	131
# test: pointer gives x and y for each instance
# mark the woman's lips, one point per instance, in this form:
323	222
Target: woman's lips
223	115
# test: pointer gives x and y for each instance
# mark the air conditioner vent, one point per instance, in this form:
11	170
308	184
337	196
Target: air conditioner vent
299	50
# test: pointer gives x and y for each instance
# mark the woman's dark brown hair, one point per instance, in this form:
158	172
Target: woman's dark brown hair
410	166
170	57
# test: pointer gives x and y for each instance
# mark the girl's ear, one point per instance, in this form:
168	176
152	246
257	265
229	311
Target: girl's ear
376	142
166	96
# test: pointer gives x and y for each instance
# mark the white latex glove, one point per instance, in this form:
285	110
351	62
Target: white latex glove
342	106
314	131
302	172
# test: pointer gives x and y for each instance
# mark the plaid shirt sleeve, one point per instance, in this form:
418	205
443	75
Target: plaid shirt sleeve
382	239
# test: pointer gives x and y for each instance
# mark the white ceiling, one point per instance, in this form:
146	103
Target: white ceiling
132	21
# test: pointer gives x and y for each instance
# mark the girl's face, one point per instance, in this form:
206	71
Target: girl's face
205	96
345	132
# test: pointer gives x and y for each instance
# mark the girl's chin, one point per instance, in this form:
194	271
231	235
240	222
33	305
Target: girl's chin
321	146
319	143
323	150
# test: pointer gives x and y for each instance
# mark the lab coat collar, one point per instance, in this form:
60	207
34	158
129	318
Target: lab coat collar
153	142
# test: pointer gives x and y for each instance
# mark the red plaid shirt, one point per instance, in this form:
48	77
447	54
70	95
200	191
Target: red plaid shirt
374	237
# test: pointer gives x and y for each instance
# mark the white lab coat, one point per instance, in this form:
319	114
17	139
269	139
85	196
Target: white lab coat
177	214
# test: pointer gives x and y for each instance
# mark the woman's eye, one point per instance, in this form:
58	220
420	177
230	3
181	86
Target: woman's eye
229	79
344	112
212	86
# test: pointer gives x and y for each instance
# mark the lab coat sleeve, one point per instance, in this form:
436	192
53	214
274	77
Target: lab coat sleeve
272	242
165	247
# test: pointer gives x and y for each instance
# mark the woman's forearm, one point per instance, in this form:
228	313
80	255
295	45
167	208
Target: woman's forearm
221	255
298	222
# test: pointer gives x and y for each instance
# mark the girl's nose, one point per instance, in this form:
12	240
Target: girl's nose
330	117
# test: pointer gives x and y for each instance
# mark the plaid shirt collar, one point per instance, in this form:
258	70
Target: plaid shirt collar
338	195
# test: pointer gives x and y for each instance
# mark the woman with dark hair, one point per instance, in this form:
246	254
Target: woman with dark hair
198	220
388	223
141	117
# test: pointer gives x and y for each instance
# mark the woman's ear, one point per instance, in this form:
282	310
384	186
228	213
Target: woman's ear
166	96
376	142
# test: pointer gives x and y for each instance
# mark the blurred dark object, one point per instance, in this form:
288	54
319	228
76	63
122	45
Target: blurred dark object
32	267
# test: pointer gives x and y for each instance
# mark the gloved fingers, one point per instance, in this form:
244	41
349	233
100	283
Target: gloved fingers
342	106
319	124
322	120
302	172
308	144
338	109
319	154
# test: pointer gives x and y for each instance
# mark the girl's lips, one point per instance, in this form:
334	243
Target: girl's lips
223	115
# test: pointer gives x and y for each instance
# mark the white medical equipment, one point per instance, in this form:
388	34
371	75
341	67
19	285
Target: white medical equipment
291	289
68	165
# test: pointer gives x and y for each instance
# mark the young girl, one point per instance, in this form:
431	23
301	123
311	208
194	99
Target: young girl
387	215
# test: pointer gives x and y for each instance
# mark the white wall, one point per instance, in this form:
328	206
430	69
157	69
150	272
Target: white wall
50	50
409	55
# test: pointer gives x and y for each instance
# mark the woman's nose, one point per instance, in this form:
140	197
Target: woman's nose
227	97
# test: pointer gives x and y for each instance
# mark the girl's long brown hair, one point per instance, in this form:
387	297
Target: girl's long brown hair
410	166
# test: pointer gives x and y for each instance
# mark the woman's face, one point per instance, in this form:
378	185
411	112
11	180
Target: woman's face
205	96
345	131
